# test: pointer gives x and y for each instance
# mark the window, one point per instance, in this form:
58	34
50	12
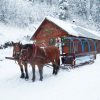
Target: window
52	41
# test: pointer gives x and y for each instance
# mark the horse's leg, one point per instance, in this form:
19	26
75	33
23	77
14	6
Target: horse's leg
22	71
56	65
56	69
33	71
41	73
53	68
57	62
26	71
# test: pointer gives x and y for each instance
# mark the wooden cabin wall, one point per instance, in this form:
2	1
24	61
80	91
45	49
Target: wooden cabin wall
48	31
98	46
92	47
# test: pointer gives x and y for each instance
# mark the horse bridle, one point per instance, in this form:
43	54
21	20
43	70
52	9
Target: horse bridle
23	56
16	53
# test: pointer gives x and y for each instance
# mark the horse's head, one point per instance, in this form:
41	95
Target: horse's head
16	49
26	52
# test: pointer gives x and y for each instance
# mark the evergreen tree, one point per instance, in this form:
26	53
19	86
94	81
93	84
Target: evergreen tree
63	9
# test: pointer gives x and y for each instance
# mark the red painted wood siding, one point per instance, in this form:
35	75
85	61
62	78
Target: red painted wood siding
98	46
48	30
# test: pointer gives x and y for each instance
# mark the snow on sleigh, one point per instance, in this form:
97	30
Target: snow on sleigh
77	51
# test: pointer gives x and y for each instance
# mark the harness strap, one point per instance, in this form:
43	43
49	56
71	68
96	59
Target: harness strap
46	55
34	53
35	50
44	52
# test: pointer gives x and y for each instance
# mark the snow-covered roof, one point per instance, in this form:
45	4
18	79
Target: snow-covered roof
74	29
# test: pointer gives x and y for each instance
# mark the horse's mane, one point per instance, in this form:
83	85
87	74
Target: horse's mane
28	46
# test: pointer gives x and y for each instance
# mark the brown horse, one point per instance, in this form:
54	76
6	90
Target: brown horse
16	54
35	55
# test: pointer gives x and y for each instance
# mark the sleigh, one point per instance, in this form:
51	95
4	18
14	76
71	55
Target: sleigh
77	52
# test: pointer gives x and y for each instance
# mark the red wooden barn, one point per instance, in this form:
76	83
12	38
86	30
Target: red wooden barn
53	31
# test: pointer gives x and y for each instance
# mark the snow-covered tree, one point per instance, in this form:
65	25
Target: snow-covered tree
26	12
63	9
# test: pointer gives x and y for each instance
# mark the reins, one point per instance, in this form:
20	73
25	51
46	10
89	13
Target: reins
35	48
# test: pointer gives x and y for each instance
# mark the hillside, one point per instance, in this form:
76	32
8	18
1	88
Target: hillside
24	13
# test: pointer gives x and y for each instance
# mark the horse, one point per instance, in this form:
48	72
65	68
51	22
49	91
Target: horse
16	54
35	55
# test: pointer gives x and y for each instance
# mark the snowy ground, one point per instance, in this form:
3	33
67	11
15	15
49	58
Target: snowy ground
79	84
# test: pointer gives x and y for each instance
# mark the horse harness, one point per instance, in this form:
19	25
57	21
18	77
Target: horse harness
16	53
25	57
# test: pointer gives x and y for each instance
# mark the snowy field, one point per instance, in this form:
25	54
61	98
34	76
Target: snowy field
78	84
